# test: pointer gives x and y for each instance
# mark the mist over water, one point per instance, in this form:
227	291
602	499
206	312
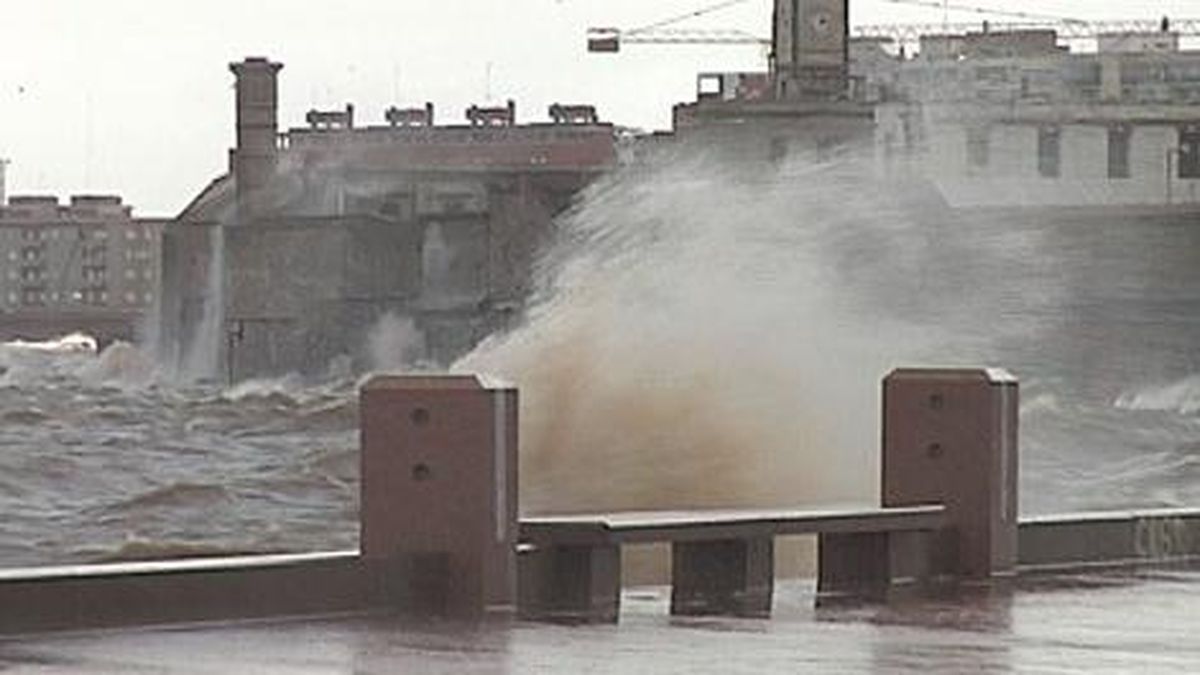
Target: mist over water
686	349
710	334
703	334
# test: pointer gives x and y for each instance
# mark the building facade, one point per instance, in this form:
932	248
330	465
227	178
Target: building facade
320	234
1014	119
88	256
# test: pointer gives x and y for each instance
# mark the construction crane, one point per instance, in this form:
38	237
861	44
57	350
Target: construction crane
665	32
609	40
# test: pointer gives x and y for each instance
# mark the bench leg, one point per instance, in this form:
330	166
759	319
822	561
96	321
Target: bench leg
870	564
570	583
733	577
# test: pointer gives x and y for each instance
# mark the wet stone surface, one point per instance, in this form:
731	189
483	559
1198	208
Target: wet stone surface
1117	622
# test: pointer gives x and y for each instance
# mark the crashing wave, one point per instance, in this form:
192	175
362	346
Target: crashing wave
1182	397
75	343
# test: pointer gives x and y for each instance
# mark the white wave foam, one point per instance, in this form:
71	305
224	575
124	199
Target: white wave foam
1182	397
290	386
75	343
121	363
1044	403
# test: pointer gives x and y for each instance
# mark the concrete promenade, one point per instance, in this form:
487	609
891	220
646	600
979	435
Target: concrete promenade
1104	622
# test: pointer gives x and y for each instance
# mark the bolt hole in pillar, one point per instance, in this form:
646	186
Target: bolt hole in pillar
421	472
438	492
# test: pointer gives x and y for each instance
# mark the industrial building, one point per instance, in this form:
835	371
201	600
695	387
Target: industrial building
319	234
86	265
1006	119
1025	115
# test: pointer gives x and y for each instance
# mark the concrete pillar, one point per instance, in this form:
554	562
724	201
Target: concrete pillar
439	489
571	583
1110	78
870	565
950	436
733	577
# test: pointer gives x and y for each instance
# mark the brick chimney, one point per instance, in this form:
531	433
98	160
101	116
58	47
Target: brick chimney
252	162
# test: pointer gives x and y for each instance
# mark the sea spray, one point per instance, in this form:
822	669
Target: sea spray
394	343
686	348
203	350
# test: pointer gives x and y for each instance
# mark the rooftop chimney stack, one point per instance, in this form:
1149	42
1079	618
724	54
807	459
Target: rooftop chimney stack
253	161
810	49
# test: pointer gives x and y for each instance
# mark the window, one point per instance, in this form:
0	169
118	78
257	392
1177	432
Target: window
1118	151
978	147
32	298
1189	151
1048	151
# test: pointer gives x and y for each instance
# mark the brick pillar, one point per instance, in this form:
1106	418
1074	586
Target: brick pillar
439	489
950	436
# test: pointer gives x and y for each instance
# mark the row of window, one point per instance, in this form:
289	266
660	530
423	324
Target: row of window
1185	157
89	273
44	233
87	296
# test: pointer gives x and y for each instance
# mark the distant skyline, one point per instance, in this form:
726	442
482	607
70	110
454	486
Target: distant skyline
134	97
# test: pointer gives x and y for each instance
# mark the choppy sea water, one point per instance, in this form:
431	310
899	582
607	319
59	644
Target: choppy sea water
99	461
98	464
102	457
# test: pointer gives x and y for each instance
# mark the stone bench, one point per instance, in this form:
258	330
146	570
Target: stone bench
722	561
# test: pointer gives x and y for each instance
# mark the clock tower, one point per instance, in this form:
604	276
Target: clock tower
810	44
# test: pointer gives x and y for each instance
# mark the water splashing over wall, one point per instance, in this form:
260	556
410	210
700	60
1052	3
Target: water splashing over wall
689	348
203	356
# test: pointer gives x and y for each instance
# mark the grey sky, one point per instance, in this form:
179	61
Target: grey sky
133	96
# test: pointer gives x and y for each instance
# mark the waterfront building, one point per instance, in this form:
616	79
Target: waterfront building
1015	119
88	258
316	235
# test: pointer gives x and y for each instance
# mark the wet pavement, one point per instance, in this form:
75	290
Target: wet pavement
1112	622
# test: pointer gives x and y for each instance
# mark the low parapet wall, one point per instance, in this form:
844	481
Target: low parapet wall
93	596
1108	538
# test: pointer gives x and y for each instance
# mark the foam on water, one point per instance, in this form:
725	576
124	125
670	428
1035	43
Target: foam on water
1182	396
73	343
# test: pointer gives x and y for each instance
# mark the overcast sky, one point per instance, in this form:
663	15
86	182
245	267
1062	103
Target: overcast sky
133	97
